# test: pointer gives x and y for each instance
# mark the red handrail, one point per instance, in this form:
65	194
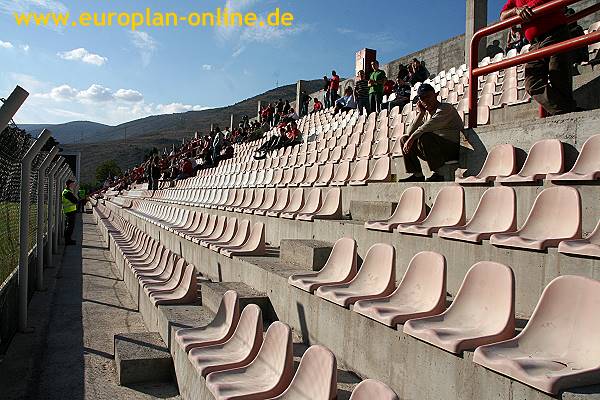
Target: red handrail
569	45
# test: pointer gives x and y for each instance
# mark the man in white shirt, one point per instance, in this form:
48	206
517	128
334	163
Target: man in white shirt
433	136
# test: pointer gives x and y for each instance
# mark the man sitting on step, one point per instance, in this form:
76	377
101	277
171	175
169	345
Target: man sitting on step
433	136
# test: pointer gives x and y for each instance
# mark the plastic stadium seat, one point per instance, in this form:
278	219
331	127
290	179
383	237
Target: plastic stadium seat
331	207
339	268
483	312
360	173
238	351
448	210
376	278
223	235
410	209
253	246
421	293
296	203
545	157
316	377
495	213
587	166
325	175
589	247
342	174
371	389
558	348
267	203
162	273
501	161
267	376
311	206
238	239
543	228
186	291
218	331
283	198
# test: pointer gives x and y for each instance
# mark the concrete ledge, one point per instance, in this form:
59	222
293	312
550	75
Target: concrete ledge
212	293
142	358
371	210
309	254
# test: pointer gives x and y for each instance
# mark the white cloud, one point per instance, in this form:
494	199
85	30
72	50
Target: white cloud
264	34
6	45
207	67
238	52
27	82
174	108
81	54
24	47
10	6
145	44
59	93
383	41
96	94
129	95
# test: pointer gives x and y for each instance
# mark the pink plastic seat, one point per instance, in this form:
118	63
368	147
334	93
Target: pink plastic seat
325	175
545	157
218	331
543	228
360	173
342	174
339	268
316	377
331	207
483	312
558	349
448	210
220	235
311	206
238	351
267	376
421	293
371	389
589	247
495	213
253	246
501	161
295	204
376	278
283	198
411	209
186	291
587	166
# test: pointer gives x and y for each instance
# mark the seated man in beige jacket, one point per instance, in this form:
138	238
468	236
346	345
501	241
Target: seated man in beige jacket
433	136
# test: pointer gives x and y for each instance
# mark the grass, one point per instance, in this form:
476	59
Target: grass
9	236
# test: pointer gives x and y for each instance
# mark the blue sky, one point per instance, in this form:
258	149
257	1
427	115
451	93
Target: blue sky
112	75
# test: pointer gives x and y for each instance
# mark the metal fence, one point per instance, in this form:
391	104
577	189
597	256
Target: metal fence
31	178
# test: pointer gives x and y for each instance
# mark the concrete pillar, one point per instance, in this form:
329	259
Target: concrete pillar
476	19
231	122
299	89
259	108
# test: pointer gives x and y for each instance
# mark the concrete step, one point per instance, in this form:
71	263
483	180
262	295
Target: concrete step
371	210
308	254
142	358
212	293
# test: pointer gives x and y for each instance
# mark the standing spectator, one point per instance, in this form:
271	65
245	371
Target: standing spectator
334	85
155	173
417	72
403	73
327	96
361	92
376	81
304	103
286	107
434	136
217	145
549	80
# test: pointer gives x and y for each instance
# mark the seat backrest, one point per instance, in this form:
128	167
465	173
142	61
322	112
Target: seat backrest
448	207
378	269
589	158
371	389
276	352
501	161
316	377
545	157
496	211
424	281
381	169
542	221
313	202
566	320
342	261
411	206
486	298
361	170
249	328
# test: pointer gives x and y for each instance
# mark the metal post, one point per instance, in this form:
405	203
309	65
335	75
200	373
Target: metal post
59	213
11	106
57	208
40	217
52	177
24	226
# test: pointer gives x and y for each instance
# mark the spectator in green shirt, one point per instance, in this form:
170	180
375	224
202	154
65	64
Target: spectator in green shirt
376	81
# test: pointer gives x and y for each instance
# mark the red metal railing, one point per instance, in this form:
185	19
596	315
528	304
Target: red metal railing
569	45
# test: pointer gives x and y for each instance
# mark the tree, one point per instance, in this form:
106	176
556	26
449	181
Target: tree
106	169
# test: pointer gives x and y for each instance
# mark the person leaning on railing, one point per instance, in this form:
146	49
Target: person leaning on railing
550	80
70	203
